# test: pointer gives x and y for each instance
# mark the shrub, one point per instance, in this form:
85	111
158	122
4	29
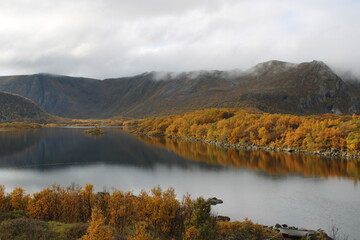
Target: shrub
76	231
25	229
11	215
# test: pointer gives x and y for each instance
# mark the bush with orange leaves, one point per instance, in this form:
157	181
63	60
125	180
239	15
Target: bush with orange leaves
327	132
245	230
157	215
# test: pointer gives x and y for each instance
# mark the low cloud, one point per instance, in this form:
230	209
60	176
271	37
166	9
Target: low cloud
103	39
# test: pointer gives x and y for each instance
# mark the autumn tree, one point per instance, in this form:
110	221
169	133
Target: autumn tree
4	200
70	204
18	199
96	229
161	213
102	202
320	132
87	198
353	141
43	205
201	225
141	233
123	208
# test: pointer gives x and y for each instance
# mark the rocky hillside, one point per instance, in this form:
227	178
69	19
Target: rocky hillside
15	108
274	86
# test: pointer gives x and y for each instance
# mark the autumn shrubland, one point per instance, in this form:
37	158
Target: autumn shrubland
81	213
327	133
64	123
20	125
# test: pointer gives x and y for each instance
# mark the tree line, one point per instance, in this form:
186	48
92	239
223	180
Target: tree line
323	133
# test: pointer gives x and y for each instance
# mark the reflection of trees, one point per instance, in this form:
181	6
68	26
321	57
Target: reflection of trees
270	162
68	146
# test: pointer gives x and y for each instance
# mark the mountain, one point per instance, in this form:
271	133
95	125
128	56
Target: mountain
15	108
274	86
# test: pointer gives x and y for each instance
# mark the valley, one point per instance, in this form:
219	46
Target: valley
276	124
273	87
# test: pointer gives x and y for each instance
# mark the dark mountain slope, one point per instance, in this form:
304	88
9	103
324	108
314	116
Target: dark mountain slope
17	108
274	86
59	95
306	88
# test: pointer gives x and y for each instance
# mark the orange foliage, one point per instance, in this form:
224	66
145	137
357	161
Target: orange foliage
19	200
141	233
191	233
96	230
158	215
3	202
87	198
123	208
245	230
325	132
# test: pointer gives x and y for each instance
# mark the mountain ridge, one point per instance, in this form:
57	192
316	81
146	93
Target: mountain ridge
18	108
273	86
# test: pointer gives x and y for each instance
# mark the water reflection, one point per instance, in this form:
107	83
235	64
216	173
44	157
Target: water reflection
59	147
273	163
243	179
17	142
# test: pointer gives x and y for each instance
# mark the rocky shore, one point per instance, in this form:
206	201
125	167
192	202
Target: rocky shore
325	153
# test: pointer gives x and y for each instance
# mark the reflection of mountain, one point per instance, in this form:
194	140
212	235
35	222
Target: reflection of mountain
269	162
18	141
59	147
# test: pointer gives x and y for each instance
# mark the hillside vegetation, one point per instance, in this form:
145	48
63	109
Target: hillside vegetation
15	108
274	87
158	215
328	133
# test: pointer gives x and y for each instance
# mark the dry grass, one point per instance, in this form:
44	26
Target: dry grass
20	125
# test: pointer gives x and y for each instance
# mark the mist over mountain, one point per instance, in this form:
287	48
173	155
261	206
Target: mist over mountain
273	86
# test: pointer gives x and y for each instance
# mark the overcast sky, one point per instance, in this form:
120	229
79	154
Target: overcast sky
113	38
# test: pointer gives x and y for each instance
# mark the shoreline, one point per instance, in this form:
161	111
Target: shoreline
322	153
328	154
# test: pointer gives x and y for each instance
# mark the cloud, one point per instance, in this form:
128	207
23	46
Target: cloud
113	38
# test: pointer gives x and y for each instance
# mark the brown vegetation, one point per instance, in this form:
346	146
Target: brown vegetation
319	133
17	108
20	125
155	216
96	131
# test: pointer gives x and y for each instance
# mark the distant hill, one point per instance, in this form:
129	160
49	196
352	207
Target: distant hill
15	108
274	86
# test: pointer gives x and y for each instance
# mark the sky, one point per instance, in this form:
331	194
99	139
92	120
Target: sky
115	38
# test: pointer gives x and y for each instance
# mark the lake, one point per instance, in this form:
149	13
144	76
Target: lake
267	187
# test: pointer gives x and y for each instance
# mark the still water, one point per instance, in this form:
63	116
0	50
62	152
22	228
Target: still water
267	187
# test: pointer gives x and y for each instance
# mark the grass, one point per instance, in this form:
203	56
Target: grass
68	230
16	226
